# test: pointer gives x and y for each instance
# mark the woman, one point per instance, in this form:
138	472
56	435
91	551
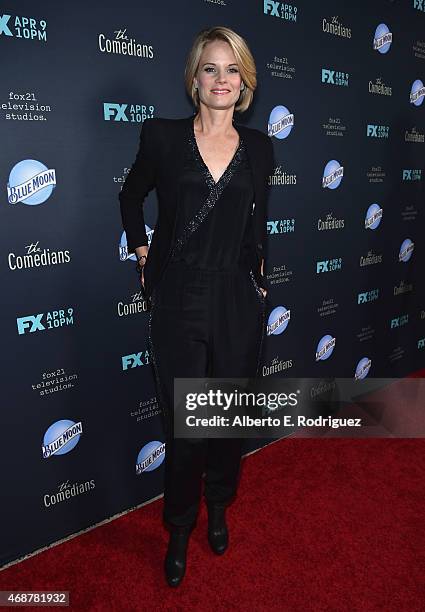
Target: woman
204	272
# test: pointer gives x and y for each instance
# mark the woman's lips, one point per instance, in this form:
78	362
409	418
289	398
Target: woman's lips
219	92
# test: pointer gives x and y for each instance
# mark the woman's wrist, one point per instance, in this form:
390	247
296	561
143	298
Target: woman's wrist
141	261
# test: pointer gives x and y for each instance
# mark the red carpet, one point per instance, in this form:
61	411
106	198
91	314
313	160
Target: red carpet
335	525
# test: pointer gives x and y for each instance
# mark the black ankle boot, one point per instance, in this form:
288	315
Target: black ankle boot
175	559
218	535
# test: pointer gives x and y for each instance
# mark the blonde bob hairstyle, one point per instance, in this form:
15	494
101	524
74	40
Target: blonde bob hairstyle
243	57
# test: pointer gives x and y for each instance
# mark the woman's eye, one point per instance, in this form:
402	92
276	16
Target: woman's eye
211	69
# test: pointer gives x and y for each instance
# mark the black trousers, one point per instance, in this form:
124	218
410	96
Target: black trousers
202	323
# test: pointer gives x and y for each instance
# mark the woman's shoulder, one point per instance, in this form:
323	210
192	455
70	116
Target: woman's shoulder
260	145
256	135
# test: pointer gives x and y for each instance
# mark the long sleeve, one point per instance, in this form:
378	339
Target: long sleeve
261	234
269	171
139	182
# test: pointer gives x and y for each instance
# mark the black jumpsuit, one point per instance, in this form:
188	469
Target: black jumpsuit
207	319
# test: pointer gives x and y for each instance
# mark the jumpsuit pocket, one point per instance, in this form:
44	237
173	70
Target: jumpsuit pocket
257	288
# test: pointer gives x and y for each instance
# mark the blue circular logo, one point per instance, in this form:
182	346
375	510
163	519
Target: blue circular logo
30	182
281	122
382	39
373	217
417	92
332	175
406	250
325	347
278	320
362	369
150	457
61	437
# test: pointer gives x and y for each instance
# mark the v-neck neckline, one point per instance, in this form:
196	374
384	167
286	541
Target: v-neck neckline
211	179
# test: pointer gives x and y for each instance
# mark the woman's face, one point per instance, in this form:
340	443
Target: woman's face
218	78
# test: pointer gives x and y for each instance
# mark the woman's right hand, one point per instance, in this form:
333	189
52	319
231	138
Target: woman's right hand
142	252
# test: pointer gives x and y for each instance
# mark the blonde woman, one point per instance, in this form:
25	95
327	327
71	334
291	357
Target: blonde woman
204	272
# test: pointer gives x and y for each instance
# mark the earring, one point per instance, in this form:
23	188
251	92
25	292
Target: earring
196	87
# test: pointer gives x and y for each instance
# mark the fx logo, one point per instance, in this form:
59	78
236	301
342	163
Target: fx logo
419	4
322	266
372	130
132	361
421	343
4	28
272	227
407	175
328	76
117	111
367	296
32	322
399	321
271	7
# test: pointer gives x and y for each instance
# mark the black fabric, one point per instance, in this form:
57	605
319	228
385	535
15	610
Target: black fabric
203	323
225	236
158	164
207	319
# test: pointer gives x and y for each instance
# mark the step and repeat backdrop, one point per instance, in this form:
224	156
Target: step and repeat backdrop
340	93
